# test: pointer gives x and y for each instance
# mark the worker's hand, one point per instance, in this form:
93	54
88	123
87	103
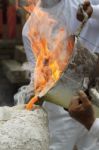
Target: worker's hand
81	109
87	8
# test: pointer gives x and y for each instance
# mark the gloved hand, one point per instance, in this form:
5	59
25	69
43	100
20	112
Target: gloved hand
87	8
81	109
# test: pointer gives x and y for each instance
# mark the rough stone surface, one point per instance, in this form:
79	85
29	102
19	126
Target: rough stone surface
23	130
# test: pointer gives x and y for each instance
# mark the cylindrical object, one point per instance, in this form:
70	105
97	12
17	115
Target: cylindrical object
65	89
72	79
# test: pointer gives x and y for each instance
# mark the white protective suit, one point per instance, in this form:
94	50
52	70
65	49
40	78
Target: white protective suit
64	131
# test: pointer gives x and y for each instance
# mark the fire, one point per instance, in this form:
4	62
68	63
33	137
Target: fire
52	50
55	70
46	67
29	106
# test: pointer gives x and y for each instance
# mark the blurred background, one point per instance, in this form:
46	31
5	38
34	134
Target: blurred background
12	55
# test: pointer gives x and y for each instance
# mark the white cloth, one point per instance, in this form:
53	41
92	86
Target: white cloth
93	133
64	131
95	128
91	28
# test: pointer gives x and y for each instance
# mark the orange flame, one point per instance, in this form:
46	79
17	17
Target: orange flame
52	50
29	106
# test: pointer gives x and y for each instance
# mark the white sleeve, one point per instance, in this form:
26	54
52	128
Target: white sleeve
95	13
95	129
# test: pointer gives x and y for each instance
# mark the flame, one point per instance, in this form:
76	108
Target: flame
29	106
52	50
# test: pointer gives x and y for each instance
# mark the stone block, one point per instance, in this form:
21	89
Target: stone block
23	130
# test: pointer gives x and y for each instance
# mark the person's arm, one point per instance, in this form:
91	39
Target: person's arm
81	109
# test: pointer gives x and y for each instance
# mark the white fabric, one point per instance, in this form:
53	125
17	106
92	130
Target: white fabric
95	11
91	28
93	133
95	128
64	131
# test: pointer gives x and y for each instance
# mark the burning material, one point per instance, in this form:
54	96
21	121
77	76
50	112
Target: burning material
53	50
59	71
